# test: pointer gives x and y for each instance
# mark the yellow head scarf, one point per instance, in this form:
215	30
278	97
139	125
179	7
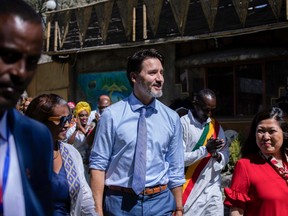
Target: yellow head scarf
80	106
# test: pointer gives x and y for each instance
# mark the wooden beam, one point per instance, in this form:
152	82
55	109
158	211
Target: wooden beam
286	9
148	42
134	25
145	22
55	35
48	36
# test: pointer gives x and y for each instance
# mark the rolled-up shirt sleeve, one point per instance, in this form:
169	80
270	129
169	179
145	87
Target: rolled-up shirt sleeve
175	158
103	142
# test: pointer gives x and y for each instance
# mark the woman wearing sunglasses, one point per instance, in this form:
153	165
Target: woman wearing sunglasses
71	193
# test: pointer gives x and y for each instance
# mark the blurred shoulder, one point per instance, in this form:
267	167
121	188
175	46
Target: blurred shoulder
170	112
26	123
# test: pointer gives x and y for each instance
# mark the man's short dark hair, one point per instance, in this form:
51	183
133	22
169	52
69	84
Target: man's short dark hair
204	92
21	9
134	63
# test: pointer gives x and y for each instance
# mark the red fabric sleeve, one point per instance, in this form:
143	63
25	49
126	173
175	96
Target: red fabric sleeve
237	194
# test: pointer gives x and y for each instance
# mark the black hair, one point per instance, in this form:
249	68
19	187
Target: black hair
42	107
19	8
135	61
202	93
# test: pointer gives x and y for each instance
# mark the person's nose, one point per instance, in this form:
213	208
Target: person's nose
160	77
19	68
266	135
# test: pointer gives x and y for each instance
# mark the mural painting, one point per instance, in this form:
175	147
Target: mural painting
115	84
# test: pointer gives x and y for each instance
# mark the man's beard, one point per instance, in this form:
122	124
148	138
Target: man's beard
151	92
156	94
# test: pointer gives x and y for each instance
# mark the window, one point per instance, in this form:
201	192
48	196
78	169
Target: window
249	89
242	89
220	80
238	89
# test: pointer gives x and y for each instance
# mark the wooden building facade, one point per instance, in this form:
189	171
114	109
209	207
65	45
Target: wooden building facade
238	48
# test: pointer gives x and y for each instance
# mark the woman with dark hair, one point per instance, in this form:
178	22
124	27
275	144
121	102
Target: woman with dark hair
71	193
260	180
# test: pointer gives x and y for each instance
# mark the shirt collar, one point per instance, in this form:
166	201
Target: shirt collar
194	120
136	104
3	126
269	157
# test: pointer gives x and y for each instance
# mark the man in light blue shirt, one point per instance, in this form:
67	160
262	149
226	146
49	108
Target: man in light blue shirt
113	153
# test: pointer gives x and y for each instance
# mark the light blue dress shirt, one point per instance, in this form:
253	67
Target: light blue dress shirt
114	146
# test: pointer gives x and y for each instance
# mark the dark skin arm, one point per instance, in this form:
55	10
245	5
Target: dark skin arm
90	137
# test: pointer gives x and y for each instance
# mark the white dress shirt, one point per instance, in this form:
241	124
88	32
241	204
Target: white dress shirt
13	199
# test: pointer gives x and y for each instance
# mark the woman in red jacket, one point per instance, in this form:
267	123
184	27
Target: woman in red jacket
260	179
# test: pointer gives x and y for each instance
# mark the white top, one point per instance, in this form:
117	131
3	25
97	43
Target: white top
205	197
92	116
84	202
79	142
13	200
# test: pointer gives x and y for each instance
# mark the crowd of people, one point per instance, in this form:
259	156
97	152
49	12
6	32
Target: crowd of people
133	157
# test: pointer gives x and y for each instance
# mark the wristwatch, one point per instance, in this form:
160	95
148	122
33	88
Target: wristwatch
179	209
215	155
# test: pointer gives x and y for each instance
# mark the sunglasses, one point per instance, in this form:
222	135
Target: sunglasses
10	56
61	120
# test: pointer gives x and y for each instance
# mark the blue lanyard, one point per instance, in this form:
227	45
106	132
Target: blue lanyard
5	170
6	164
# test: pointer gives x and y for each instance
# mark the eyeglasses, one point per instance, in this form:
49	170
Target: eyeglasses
10	56
61	120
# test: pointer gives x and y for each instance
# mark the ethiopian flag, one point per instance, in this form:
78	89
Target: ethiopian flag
193	171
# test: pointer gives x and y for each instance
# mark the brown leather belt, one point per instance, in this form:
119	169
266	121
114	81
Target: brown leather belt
147	191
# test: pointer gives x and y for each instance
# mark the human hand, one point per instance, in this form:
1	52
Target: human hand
97	116
214	144
78	123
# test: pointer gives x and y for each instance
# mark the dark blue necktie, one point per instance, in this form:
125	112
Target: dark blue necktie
139	175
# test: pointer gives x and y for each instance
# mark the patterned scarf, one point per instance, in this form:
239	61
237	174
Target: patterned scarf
194	170
280	168
72	177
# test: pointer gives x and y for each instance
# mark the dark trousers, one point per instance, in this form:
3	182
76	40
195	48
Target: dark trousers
118	203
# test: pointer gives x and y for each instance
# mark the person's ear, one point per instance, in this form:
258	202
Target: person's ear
133	77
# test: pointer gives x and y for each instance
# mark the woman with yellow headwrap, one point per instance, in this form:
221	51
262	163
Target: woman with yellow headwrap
77	134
